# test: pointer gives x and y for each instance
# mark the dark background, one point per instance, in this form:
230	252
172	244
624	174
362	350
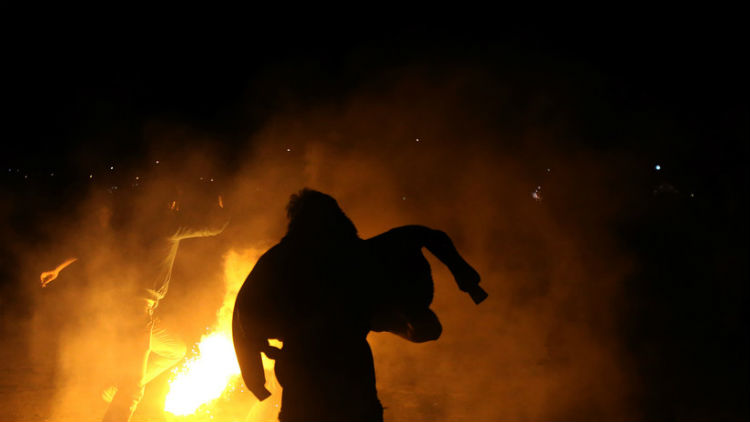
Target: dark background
680	80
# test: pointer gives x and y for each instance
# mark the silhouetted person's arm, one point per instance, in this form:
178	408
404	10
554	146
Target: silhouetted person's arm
191	233
440	245
248	348
249	323
418	326
403	308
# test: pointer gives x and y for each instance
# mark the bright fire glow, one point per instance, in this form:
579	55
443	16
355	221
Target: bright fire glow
205	377
214	371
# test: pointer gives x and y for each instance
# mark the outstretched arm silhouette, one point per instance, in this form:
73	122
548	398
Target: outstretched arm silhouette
190	233
409	288
440	245
407	239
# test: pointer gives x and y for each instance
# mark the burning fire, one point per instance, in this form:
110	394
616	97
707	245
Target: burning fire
214	371
205	377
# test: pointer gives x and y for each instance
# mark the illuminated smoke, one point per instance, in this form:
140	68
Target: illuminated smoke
545	345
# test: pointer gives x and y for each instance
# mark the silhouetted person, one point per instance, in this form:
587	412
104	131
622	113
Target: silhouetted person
141	260
320	291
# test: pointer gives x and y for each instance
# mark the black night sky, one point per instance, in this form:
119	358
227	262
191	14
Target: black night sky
669	97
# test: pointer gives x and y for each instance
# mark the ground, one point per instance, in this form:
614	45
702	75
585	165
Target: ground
30	390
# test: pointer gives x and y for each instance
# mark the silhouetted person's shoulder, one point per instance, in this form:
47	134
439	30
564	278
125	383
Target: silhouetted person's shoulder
410	234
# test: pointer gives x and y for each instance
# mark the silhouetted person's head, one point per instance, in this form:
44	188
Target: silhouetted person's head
314	213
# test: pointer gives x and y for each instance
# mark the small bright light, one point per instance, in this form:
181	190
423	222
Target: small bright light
52	174
417	139
91	176
657	167
156	162
137	178
111	167
212	179
549	170
288	150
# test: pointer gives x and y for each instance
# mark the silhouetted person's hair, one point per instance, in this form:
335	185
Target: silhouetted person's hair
310	211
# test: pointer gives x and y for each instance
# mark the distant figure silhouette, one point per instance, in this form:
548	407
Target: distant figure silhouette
320	290
141	261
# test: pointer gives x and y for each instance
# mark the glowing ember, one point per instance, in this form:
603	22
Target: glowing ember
214	371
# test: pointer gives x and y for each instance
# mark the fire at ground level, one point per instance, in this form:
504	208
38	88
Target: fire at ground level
206	385
28	392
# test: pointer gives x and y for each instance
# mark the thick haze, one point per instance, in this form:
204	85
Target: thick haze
617	290
407	150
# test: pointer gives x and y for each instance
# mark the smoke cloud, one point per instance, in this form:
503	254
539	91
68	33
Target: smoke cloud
496	168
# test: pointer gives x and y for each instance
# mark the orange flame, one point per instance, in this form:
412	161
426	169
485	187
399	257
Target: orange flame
214	372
